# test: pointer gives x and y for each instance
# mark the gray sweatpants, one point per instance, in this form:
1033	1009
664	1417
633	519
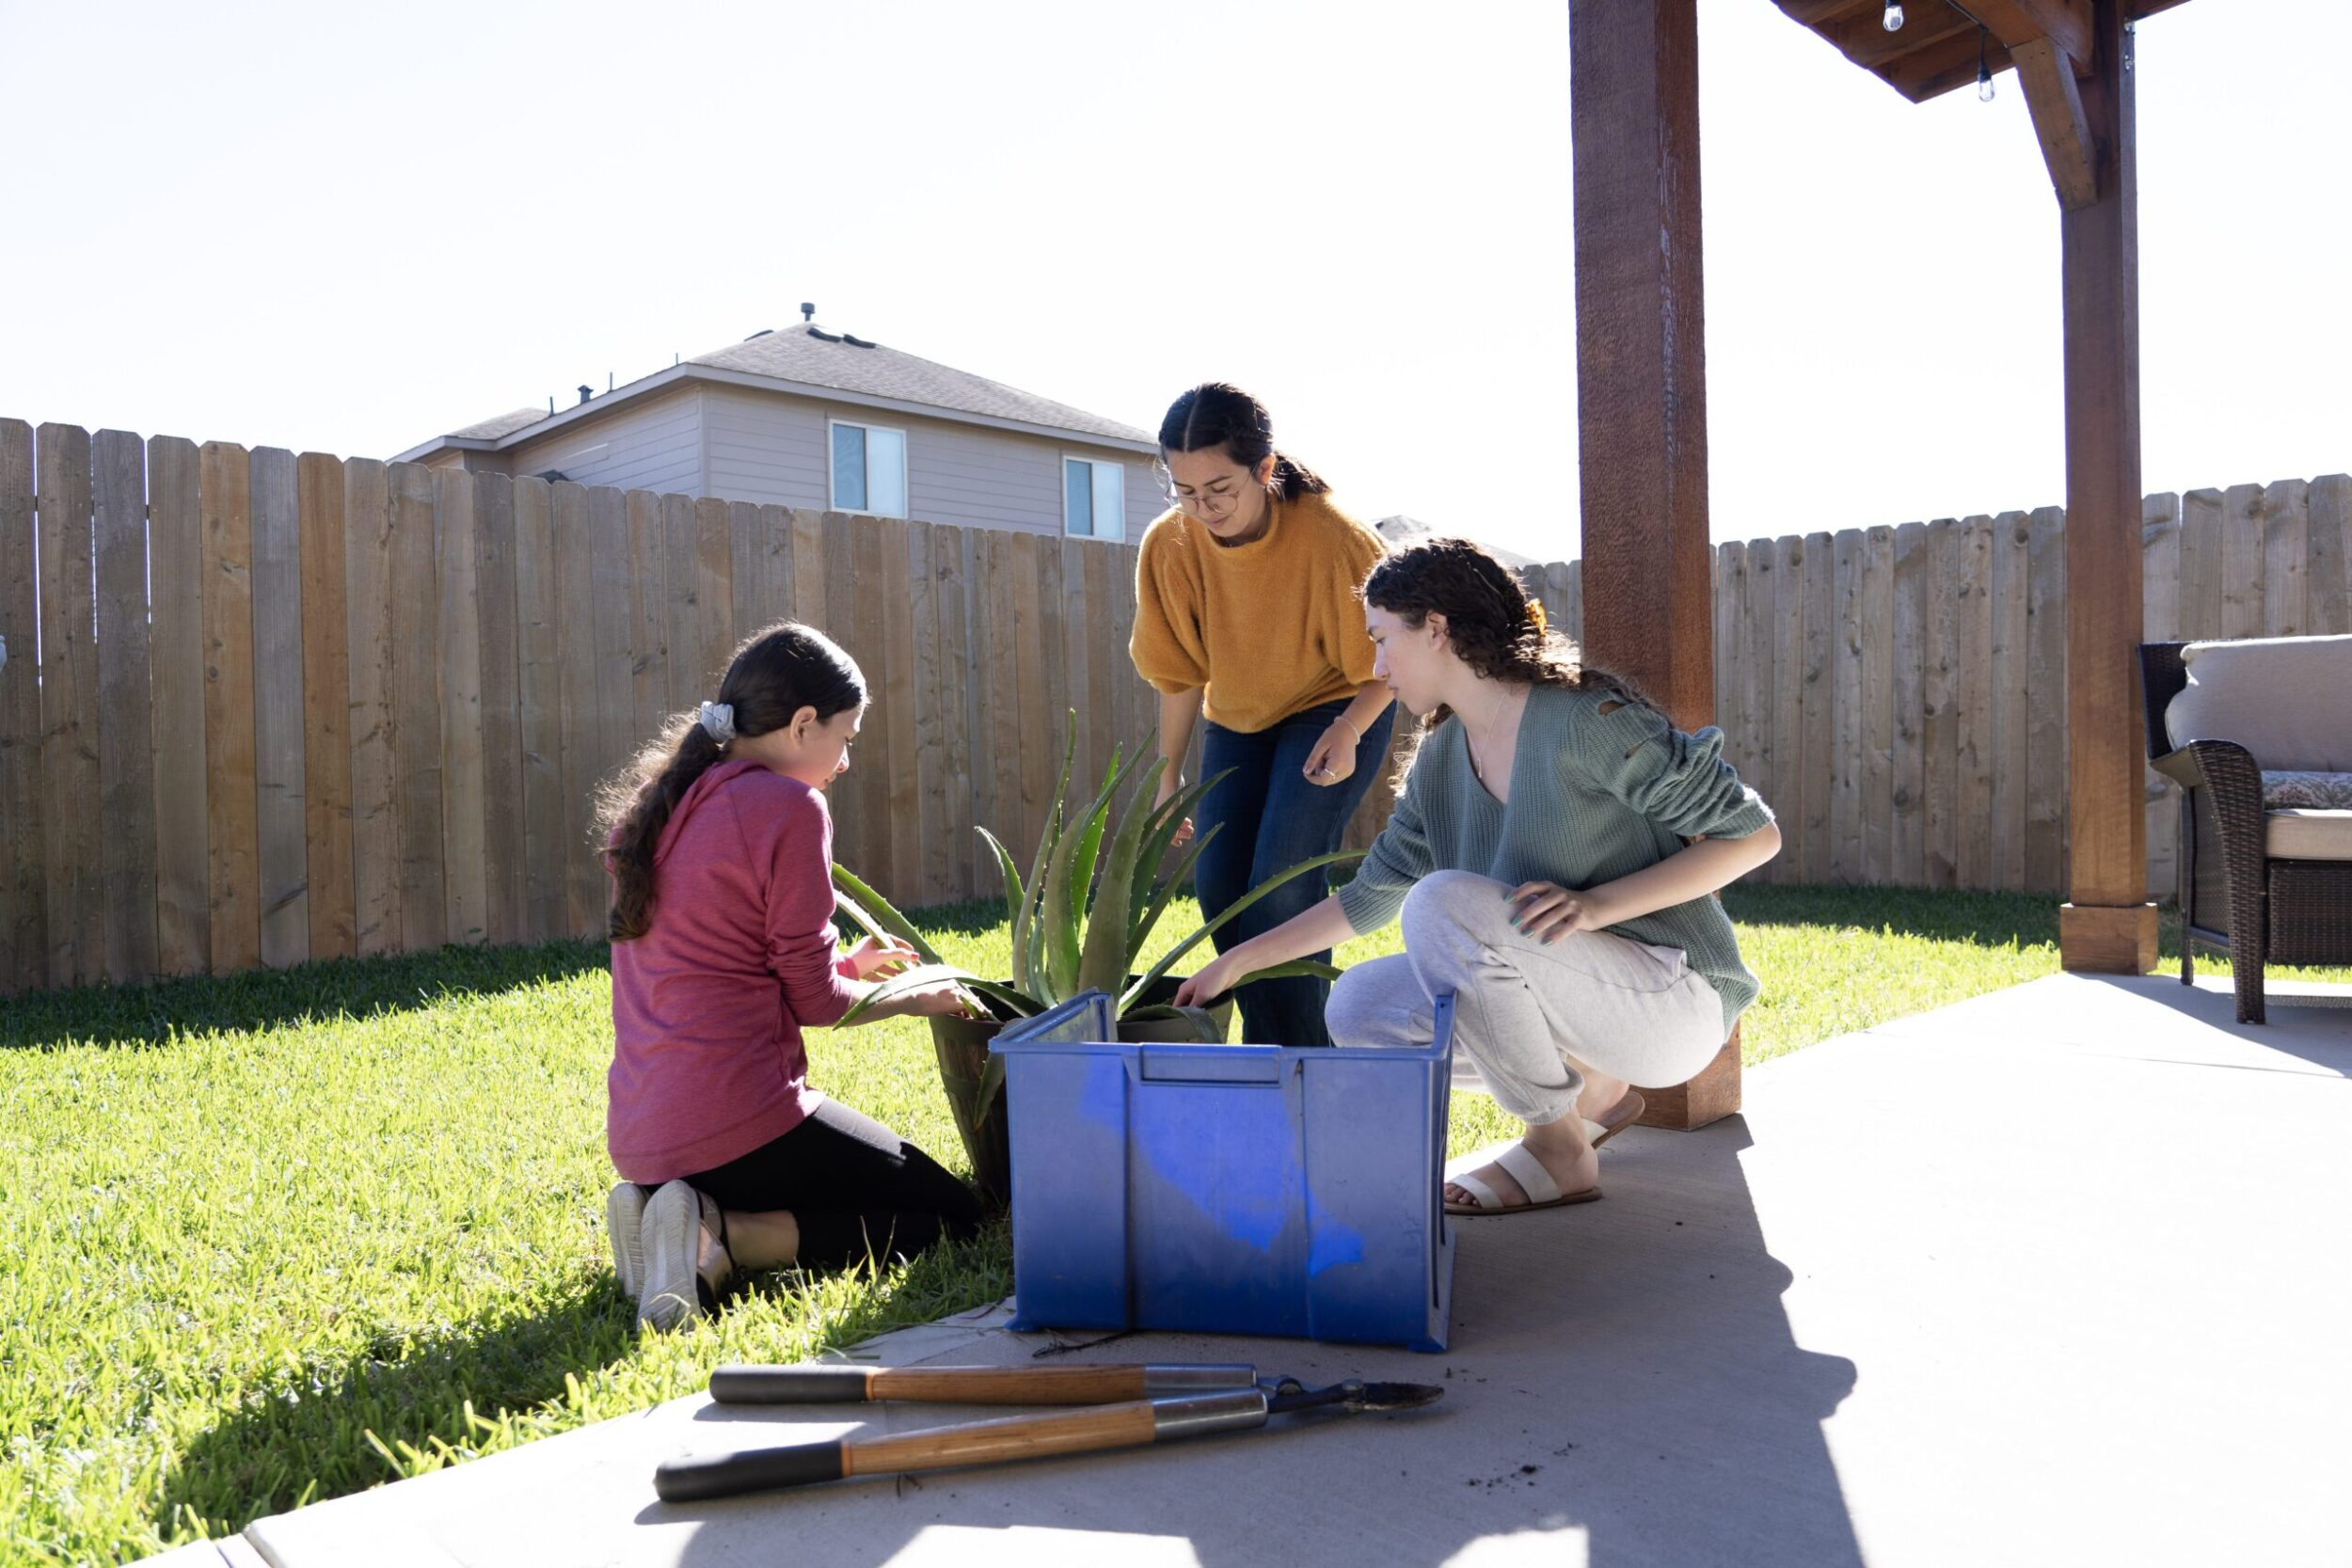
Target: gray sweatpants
1522	1008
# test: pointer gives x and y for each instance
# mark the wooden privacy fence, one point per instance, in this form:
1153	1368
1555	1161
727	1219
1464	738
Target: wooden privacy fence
295	707
1899	695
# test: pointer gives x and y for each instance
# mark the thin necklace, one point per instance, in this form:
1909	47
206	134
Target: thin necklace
1493	717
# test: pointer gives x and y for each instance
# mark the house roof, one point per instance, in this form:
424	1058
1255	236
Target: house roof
811	361
812	355
505	424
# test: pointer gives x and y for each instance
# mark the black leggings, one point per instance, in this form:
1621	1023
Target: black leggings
856	1188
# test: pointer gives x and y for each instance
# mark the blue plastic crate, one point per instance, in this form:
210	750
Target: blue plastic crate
1238	1189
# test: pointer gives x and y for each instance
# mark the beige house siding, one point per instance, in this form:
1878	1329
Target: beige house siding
653	445
776	449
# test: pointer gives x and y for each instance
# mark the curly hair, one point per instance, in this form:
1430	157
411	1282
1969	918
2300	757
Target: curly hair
1490	624
774	674
1218	414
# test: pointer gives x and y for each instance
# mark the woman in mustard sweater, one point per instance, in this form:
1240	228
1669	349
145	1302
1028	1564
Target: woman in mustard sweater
1247	619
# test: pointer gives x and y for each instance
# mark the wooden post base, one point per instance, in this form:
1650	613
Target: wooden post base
2102	938
1713	1095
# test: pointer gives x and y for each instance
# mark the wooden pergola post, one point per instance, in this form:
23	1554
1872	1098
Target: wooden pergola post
1640	366
2109	925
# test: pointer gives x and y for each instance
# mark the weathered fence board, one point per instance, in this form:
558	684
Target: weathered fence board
539	712
232	828
1813	694
1878	705
1845	745
281	810
175	536
24	847
326	747
2045	696
376	926
126	745
2012	539
463	791
501	707
416	727
1972	698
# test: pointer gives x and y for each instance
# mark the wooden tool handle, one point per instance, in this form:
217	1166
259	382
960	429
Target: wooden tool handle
727	1475
1008	1437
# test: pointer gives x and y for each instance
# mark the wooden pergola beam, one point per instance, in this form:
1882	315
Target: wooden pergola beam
2066	23
1641	374
2109	925
2057	107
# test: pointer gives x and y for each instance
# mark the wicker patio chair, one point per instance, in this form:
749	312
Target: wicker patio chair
2234	895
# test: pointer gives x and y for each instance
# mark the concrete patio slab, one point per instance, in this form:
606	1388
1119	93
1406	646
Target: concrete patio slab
2054	1275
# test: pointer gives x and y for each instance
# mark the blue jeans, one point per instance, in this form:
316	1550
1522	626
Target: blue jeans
1272	819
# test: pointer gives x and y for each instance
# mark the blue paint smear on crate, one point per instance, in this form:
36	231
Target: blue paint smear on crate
1335	1247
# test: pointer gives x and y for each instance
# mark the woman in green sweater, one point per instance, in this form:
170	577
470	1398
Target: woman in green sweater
1554	857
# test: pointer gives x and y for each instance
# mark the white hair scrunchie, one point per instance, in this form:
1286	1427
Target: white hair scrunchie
717	720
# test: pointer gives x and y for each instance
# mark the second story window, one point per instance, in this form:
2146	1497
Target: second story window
869	469
1094	499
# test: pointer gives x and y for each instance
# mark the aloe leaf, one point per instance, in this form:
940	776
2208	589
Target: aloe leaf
875	916
1056	945
1203	1019
1295	968
1029	957
1160	836
1013	895
1176	953
1166	893
1109	955
906	980
991	1079
1082	864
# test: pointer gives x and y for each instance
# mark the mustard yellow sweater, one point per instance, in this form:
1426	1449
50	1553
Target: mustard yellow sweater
1268	627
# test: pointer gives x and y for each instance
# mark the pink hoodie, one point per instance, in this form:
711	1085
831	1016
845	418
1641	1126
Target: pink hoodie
709	1004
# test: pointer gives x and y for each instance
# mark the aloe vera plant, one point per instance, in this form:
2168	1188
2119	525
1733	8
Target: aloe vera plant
1093	893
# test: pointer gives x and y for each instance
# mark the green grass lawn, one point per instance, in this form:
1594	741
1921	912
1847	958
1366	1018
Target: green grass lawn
286	1236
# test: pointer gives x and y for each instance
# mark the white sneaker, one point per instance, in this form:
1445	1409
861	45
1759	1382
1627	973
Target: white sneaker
685	1259
624	1214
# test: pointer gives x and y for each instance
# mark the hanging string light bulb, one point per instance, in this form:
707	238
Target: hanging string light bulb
1892	18
1984	72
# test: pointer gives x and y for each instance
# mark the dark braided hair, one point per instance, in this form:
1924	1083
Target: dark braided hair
1216	413
774	674
1490	621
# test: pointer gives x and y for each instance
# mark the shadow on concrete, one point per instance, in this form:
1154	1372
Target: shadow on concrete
299	1436
155	1014
1621	1375
2309	1020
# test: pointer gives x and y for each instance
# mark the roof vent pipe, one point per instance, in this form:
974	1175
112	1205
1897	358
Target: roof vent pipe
809	312
586	391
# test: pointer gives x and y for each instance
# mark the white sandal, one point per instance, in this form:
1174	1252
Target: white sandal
1522	1168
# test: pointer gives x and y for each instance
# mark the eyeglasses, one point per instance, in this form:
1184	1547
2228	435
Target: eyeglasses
1201	503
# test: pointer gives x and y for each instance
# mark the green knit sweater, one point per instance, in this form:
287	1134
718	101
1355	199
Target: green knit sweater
1594	795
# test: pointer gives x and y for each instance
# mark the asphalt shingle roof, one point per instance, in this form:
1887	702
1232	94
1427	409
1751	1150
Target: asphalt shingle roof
817	358
810	354
505	424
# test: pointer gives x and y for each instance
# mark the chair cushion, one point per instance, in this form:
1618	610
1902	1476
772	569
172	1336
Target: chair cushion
2288	699
2284	791
2307	835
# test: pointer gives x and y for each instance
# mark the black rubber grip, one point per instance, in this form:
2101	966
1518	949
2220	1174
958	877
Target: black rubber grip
804	1385
728	1475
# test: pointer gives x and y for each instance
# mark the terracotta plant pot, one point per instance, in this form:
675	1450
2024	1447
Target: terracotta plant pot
961	1044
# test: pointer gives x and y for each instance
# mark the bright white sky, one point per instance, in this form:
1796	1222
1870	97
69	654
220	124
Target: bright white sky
344	229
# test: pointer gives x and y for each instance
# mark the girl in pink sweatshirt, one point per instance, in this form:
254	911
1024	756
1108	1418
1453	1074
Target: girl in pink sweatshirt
724	950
